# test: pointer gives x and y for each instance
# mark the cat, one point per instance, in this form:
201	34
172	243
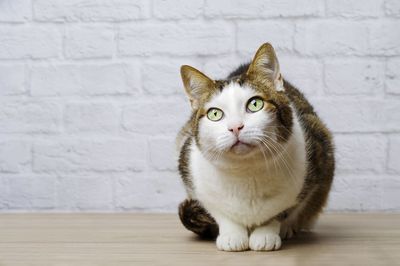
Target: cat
256	161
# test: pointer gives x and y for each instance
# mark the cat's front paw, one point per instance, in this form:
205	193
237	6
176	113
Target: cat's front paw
233	242
265	241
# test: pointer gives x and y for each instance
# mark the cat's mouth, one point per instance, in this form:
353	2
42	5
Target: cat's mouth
241	146
238	142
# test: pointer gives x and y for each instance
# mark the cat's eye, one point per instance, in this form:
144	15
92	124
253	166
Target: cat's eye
215	114
255	104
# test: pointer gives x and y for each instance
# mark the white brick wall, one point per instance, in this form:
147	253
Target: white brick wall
91	98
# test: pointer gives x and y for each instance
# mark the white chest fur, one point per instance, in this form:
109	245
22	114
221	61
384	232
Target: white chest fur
251	192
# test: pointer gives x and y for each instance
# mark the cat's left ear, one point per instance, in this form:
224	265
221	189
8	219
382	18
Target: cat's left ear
265	65
197	85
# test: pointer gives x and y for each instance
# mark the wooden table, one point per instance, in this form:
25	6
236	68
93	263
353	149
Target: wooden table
160	239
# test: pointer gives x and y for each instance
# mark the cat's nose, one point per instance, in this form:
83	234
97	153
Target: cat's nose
236	128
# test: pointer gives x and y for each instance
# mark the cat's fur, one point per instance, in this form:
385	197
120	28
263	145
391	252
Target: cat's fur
250	195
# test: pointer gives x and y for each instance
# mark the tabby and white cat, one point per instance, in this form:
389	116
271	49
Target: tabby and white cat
256	161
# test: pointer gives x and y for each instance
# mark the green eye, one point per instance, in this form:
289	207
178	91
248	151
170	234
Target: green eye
215	114
255	104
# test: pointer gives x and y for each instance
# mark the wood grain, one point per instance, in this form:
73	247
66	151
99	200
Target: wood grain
159	239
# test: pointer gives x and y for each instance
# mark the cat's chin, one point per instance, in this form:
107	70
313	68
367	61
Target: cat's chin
241	148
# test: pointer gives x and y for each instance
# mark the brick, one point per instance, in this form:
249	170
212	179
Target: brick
162	76
103	121
393	76
4	191
221	67
87	79
90	10
394	154
390	193
14	156
251	34
355	193
166	38
15	10
151	191
12	80
29	117
27	193
354	8
263	8
385	38
176	9
392	8
354	76
91	117
358	153
153	116
305	74
84	193
162	153
359	115
90	155
89	42
26	41
331	38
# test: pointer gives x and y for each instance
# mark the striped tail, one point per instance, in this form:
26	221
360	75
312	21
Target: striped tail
196	219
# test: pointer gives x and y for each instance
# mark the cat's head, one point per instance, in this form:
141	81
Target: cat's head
246	114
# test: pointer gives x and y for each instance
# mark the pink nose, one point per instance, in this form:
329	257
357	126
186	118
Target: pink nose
235	129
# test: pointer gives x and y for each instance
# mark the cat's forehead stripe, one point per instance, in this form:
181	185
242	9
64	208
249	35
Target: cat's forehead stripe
230	91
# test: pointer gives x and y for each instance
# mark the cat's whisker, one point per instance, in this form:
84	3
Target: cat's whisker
210	152
273	158
282	159
265	158
279	152
282	149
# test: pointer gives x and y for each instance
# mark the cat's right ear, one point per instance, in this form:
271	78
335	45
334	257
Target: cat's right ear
196	84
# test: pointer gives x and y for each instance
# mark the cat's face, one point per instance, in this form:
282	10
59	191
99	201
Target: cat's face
241	116
238	120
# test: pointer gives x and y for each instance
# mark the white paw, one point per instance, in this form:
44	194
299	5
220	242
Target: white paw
265	241
233	242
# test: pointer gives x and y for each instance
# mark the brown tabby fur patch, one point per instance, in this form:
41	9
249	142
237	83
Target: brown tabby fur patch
196	219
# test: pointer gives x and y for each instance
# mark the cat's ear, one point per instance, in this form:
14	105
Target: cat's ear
265	65
196	84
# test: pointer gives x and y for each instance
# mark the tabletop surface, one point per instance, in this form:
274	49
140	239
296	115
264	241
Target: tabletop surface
160	239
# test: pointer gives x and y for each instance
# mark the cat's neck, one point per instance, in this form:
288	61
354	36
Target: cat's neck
237	163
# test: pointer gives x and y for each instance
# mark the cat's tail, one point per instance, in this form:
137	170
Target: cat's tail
196	219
